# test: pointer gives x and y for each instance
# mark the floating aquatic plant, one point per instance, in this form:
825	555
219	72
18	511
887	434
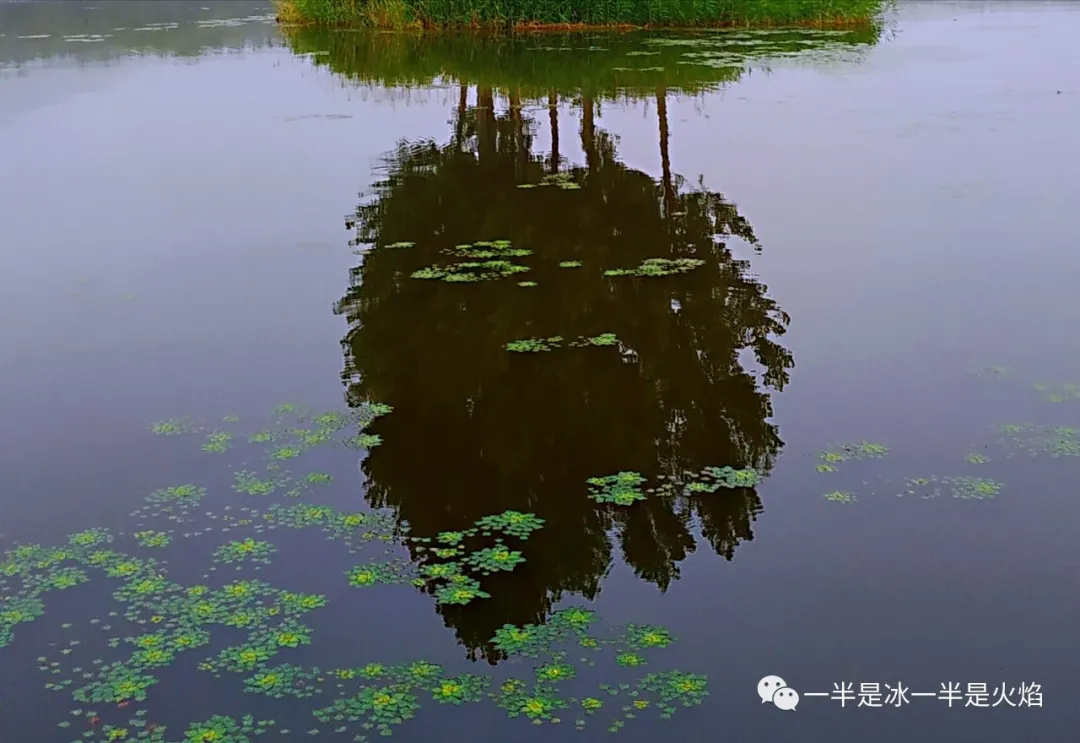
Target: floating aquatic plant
658	267
1055	441
494	559
511	523
534	345
471	271
840	496
967	488
526	283
570	264
174	427
398	245
708	480
621	489
218	442
604	339
975	458
152	538
244	550
489	249
1059	393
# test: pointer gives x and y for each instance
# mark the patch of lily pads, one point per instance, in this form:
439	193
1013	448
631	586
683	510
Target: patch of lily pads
159	620
626	488
471	271
658	267
539	345
834	455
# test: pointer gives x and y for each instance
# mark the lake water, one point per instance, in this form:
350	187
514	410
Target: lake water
868	299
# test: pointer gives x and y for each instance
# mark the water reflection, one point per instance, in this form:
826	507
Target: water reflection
103	30
478	430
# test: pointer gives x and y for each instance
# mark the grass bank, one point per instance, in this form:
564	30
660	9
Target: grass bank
579	14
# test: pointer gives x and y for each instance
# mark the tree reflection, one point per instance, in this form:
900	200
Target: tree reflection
477	430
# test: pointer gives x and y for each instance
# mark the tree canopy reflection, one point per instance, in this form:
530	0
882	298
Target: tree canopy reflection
478	430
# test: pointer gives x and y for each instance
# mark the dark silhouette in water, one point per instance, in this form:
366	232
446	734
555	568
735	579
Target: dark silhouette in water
477	429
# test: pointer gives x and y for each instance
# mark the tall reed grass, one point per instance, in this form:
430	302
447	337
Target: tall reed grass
569	13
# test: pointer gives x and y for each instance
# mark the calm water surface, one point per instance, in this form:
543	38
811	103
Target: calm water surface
205	217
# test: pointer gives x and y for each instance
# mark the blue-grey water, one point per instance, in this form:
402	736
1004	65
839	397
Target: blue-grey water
888	228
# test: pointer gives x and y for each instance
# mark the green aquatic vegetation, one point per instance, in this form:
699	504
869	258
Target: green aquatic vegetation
840	496
174	427
91	538
526	283
510	523
249	483
156	539
967	488
244	550
621	489
555	672
177	497
975	458
629	660
1054	441
658	267
708	480
319	478
534	345
974	488
538	705
364	441
494	559
845	452
380	707
377	572
687	689
460	591
604	339
399	245
570	264
1059	393
644	636
440	570
223	729
471	271
485	249
116	683
218	443
463	689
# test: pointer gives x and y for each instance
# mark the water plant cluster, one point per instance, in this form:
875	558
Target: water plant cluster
1010	439
159	620
625	488
536	345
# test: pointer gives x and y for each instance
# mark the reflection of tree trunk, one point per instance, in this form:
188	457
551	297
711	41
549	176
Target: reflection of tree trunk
665	158
553	118
517	123
588	131
459	124
485	123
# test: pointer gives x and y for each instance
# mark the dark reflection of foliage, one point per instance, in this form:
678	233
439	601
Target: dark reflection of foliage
478	430
603	65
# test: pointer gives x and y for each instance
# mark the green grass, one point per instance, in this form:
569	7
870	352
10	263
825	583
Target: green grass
570	13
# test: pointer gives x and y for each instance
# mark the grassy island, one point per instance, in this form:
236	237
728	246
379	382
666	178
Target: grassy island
579	14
